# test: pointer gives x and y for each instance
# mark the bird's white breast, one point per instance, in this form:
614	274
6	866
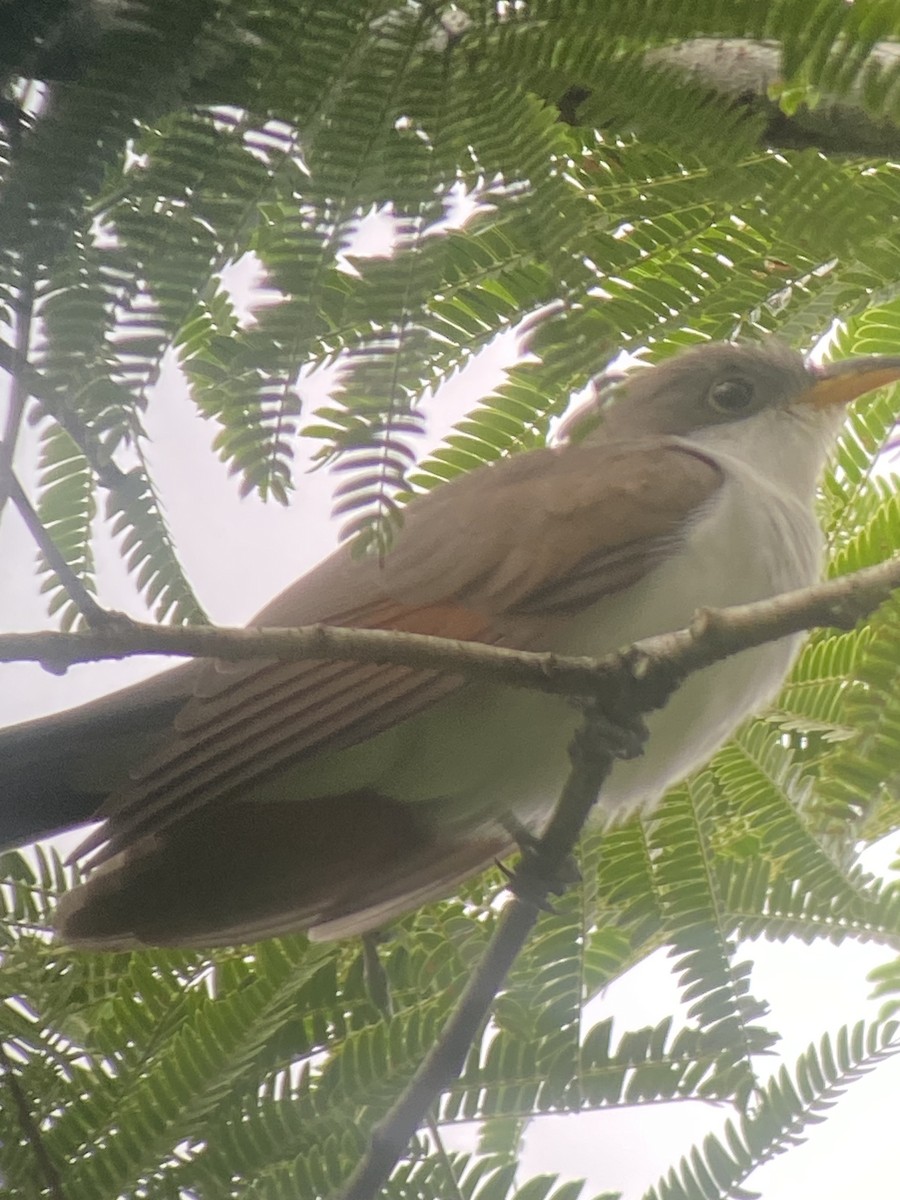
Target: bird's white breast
753	541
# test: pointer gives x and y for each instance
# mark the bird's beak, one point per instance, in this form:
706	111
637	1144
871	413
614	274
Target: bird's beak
840	382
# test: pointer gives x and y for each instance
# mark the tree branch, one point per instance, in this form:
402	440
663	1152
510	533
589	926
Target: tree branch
745	72
657	662
626	684
18	393
52	1183
593	754
595	747
95	616
34	384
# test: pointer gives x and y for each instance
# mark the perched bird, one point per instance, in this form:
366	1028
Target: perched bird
246	800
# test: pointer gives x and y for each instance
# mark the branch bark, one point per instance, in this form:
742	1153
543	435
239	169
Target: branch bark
653	664
744	72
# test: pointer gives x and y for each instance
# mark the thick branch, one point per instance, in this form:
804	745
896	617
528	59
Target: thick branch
743	72
658	661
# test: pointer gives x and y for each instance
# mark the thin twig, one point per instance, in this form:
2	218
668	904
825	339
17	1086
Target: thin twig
52	1181
592	759
95	616
376	977
112	477
655	664
18	393
435	1133
10	488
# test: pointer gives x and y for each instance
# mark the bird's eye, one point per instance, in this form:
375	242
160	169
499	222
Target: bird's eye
731	397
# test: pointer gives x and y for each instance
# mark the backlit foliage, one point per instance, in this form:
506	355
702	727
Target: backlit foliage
528	165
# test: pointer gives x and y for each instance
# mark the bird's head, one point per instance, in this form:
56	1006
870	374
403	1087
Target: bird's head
762	402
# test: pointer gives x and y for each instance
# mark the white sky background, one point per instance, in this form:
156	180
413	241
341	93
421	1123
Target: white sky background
238	554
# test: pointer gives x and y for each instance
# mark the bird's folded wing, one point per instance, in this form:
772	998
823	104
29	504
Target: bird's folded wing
499	557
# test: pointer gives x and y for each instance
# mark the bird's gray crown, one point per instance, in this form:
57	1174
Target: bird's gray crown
712	385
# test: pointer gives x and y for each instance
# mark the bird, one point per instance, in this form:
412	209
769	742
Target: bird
239	801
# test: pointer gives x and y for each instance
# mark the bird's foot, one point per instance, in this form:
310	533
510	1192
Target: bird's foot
525	885
527	880
623	736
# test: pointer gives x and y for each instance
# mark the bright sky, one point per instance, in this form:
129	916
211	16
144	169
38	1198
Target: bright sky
239	553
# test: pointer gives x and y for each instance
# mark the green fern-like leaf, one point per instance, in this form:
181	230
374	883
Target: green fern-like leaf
786	1106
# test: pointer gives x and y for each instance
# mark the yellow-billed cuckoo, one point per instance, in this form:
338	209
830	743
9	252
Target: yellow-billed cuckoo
241	801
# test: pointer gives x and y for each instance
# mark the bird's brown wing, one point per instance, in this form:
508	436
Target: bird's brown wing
498	557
